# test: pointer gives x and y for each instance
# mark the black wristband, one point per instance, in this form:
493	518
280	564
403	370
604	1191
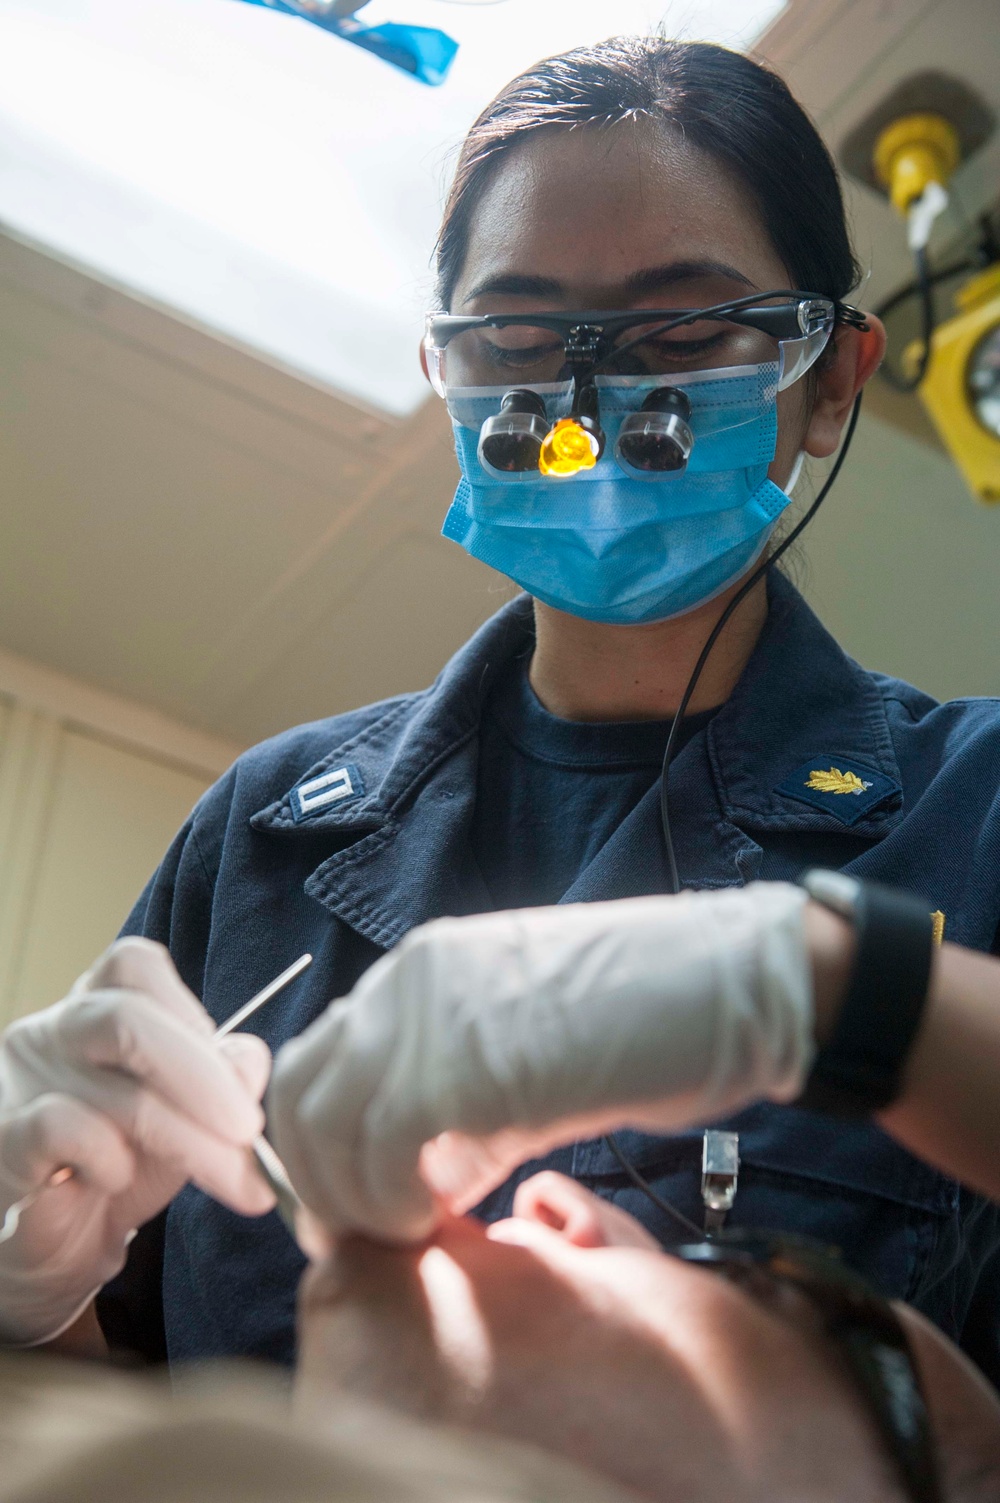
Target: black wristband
859	1070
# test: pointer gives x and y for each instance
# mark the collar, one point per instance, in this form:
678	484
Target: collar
401	854
802	701
399	847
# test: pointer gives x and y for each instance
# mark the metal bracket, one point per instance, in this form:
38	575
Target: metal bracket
720	1169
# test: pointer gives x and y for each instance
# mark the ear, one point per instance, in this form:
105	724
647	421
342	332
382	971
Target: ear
856	356
423	361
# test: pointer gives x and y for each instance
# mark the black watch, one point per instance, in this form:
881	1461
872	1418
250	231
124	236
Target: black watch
859	1070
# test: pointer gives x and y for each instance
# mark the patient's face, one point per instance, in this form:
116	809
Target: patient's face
567	1327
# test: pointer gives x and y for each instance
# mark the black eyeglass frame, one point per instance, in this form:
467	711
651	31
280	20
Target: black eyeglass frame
588	333
864	1327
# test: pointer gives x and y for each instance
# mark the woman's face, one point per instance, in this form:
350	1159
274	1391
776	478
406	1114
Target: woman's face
628	217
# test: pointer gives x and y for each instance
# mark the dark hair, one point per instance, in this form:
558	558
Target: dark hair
725	104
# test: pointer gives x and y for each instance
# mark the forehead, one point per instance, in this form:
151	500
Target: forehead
587	209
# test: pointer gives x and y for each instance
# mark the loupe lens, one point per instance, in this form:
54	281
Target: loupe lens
657	439
512	440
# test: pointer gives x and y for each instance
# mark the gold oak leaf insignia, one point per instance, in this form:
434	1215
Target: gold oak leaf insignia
835	781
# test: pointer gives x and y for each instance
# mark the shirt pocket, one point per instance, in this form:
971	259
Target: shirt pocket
847	1184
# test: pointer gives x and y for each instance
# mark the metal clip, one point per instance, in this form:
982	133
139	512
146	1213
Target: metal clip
720	1168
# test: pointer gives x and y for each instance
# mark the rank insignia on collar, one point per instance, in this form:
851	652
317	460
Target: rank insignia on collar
330	788
839	786
835	781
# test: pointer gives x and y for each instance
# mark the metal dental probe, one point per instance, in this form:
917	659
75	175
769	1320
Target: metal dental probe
265	1158
271	990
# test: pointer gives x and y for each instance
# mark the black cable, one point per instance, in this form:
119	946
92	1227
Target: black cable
924	289
675	886
647	1189
843	313
716	311
953	269
986	252
713	637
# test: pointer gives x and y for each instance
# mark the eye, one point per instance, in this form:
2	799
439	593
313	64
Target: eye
672	353
519	347
680	347
707	342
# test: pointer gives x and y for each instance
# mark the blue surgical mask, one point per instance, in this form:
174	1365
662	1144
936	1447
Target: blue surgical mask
619	546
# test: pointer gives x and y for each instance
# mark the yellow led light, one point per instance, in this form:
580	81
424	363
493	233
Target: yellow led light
568	448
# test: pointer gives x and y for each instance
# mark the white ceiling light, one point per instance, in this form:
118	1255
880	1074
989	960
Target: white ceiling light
262	177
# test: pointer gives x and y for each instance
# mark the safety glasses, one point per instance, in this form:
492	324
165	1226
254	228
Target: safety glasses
537	349
864	1327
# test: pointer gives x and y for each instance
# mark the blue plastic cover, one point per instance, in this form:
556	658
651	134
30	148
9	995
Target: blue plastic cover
420	50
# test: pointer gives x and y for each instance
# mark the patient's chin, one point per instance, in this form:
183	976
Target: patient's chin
364	1328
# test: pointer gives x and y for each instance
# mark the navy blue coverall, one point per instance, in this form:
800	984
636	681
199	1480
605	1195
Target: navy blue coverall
375	841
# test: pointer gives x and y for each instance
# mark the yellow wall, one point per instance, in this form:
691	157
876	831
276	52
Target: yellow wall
83	822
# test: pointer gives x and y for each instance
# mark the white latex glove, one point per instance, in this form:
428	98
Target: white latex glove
124	1082
513	1033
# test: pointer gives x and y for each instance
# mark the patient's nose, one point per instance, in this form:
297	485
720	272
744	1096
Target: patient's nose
563	1205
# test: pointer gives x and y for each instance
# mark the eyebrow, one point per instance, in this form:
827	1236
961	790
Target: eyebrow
636	285
683	271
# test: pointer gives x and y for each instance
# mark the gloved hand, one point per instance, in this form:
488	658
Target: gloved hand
512	1033
124	1082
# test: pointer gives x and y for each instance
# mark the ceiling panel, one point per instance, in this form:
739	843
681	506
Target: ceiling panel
391	633
168	529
